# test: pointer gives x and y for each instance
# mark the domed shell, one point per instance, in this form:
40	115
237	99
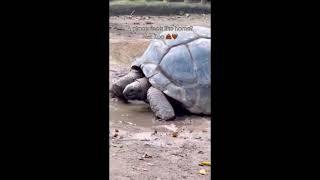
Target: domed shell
181	67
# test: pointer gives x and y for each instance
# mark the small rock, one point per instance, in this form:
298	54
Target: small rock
203	172
176	154
154	133
147	145
201	152
131	123
114	100
146	156
116	130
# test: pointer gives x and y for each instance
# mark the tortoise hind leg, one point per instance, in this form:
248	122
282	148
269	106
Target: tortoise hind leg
159	104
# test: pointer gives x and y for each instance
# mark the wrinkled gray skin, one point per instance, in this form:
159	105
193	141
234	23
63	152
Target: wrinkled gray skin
134	86
137	90
119	86
179	69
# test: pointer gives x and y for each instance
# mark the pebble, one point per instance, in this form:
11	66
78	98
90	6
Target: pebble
146	156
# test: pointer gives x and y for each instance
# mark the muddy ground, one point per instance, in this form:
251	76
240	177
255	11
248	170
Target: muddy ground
142	148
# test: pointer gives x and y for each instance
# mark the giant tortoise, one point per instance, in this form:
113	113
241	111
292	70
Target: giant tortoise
171	69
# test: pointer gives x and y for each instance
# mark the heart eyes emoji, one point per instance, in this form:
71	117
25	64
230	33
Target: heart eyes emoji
171	36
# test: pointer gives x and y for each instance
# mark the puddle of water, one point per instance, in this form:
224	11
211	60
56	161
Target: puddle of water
132	113
138	113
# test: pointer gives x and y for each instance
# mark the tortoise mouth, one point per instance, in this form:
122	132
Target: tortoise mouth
130	93
134	95
130	96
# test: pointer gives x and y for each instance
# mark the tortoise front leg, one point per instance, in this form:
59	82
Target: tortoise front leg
159	104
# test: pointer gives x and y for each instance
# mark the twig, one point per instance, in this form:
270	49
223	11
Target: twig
132	12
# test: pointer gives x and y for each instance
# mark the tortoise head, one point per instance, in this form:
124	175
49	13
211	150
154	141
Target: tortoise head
137	90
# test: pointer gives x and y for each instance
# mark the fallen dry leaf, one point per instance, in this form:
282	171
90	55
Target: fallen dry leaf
205	163
175	134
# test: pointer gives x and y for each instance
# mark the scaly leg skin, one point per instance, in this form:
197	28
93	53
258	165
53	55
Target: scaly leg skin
160	105
118	87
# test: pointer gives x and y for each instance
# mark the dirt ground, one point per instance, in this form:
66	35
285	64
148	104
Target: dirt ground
142	148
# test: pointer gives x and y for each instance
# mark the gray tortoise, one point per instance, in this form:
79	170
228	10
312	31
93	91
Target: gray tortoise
171	70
